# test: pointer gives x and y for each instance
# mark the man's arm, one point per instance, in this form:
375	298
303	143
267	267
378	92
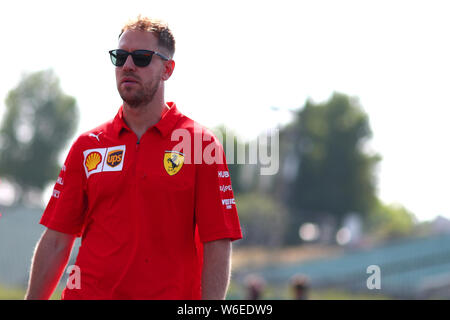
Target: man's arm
216	269
50	258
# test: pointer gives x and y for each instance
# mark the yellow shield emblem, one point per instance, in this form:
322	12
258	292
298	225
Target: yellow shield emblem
173	161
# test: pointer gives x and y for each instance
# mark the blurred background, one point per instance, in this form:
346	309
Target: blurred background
357	92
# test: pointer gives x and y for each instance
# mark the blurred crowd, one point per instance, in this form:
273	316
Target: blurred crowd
255	286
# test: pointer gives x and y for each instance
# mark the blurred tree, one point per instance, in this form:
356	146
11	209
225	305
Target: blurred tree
389	221
236	169
263	219
332	175
37	124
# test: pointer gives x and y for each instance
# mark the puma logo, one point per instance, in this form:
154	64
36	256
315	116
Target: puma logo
95	136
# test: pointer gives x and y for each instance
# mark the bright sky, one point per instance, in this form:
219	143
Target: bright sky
237	59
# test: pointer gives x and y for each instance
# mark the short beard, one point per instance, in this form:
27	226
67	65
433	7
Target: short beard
141	97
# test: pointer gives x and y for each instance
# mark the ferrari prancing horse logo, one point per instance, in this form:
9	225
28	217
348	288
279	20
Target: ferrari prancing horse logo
173	161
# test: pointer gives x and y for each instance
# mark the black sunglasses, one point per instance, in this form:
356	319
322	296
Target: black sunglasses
141	58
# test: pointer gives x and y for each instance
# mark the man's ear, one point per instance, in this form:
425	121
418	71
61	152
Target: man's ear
169	66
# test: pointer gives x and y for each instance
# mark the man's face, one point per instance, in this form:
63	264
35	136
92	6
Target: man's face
138	85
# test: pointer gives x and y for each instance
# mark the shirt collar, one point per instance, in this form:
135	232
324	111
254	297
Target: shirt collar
169	119
164	125
119	122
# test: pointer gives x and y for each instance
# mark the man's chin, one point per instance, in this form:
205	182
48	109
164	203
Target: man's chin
130	100
134	104
136	99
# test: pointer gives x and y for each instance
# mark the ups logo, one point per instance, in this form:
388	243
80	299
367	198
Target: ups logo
114	158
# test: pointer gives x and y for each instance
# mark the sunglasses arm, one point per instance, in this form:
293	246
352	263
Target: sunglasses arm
161	56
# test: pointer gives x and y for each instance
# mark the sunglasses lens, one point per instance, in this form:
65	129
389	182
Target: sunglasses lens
118	57
142	58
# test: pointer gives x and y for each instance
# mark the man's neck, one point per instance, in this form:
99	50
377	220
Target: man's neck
139	119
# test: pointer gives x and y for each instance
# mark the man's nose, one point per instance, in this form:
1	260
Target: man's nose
129	64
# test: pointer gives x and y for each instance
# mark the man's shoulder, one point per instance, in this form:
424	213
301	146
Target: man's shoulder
204	141
194	127
97	136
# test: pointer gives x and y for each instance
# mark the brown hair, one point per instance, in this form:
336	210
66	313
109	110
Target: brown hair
159	27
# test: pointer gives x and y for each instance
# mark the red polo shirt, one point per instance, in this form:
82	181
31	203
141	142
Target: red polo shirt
143	208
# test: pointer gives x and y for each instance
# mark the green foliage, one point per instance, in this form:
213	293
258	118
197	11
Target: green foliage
262	218
37	124
335	175
389	221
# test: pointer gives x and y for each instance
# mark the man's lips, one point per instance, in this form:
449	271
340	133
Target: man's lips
127	80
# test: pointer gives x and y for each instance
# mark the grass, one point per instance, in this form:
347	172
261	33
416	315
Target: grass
337	294
238	292
15	293
7	293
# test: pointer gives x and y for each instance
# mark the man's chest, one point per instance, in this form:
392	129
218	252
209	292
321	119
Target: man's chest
150	166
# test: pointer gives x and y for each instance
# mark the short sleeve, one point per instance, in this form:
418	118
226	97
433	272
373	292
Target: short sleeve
215	208
66	208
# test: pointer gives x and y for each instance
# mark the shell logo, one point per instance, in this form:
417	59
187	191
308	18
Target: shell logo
93	160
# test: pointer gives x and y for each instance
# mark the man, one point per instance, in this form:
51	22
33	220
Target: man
155	223
300	286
